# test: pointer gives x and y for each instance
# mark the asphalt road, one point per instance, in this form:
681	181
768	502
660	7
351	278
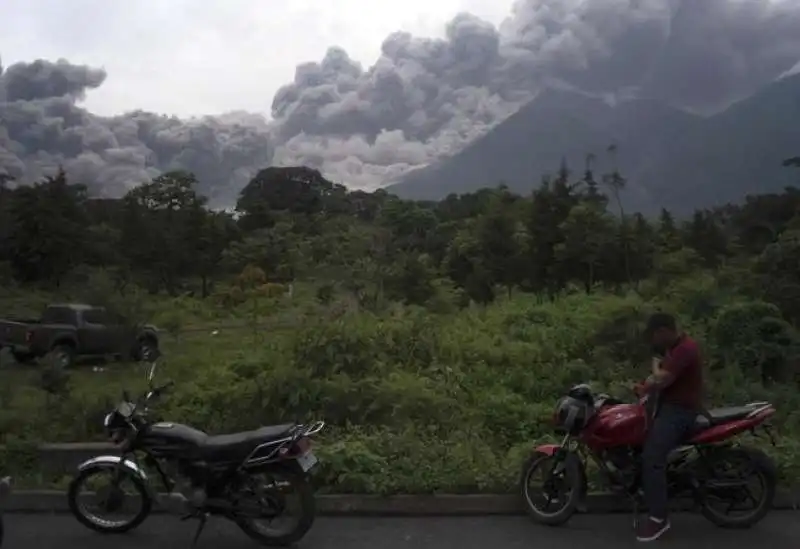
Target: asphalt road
781	530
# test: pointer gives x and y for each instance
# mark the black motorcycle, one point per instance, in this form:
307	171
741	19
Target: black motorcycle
5	489
248	478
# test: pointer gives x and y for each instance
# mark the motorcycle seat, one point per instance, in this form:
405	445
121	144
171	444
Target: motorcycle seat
236	446
718	416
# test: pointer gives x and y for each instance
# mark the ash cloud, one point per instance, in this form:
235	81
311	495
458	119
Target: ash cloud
422	99
427	98
42	127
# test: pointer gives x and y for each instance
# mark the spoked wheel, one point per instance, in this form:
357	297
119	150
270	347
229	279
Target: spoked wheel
741	487
551	488
146	350
276	508
107	503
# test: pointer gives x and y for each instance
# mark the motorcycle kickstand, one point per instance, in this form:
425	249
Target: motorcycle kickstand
203	519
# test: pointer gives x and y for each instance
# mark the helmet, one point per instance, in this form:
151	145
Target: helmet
574	411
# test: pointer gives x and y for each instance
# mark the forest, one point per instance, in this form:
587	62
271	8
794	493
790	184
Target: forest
433	337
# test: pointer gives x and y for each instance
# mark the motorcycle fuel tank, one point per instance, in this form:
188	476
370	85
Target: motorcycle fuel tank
619	425
170	438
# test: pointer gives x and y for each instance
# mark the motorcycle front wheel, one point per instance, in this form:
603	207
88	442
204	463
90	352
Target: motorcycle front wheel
555	498
269	496
111	498
740	488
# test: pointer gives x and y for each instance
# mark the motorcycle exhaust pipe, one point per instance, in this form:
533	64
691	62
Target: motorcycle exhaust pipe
5	487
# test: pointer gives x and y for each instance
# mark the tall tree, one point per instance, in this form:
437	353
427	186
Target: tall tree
47	233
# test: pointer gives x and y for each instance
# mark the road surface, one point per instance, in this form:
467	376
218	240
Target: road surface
781	530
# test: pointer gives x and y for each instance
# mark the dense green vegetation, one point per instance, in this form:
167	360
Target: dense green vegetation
433	338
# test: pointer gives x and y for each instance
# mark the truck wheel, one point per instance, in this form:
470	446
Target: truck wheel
63	355
146	350
22	358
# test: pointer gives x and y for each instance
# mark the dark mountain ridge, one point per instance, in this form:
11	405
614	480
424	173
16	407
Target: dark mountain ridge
670	158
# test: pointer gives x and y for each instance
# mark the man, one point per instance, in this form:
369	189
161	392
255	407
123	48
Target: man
677	378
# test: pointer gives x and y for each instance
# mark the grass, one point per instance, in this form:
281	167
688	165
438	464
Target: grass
416	402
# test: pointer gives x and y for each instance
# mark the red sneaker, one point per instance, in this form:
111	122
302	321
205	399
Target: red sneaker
652	529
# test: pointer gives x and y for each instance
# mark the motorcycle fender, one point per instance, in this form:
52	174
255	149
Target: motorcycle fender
546	449
104	461
114	461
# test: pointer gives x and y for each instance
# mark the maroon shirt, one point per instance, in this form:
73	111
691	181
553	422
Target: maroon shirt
684	362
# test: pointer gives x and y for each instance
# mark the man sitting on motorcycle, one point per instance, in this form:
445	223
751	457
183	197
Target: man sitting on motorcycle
677	379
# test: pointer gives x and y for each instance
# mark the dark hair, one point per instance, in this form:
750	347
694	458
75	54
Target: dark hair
658	321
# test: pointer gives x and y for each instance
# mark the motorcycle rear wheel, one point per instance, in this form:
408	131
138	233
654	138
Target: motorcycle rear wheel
571	480
307	512
759	465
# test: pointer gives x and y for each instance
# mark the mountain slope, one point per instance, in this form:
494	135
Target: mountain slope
737	152
671	158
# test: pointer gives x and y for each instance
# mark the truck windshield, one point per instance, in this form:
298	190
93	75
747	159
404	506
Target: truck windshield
58	315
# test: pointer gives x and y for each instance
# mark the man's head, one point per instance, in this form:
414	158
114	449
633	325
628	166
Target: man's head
662	331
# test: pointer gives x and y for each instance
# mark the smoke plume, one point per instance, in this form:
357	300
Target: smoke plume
423	98
42	127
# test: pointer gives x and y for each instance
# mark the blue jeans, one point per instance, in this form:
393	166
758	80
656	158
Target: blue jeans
671	426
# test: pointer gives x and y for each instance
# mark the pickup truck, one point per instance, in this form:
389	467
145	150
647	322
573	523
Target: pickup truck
72	330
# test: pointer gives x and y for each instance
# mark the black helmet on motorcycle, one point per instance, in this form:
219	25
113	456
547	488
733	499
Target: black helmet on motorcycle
574	411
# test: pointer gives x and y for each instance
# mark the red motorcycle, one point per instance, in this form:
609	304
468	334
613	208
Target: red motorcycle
708	469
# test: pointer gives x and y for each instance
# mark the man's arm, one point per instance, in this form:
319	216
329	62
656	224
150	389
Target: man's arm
670	369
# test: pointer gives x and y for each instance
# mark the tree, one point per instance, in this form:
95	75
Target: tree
705	236
780	277
549	206
47	233
588	239
168	234
501	240
668	235
298	190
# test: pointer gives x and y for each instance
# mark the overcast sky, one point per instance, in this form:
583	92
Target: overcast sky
208	56
365	112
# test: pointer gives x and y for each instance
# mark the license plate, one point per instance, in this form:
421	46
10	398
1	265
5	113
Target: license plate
307	461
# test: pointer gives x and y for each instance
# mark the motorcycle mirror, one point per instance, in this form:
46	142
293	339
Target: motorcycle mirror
126	396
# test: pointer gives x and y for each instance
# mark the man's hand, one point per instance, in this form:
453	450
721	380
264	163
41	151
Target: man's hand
659	380
655	365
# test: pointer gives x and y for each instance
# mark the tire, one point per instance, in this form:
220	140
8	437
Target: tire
75	509
144	346
308	506
63	355
22	358
765	468
574	478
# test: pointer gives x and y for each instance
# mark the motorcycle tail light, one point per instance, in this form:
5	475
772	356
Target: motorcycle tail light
299	448
303	445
